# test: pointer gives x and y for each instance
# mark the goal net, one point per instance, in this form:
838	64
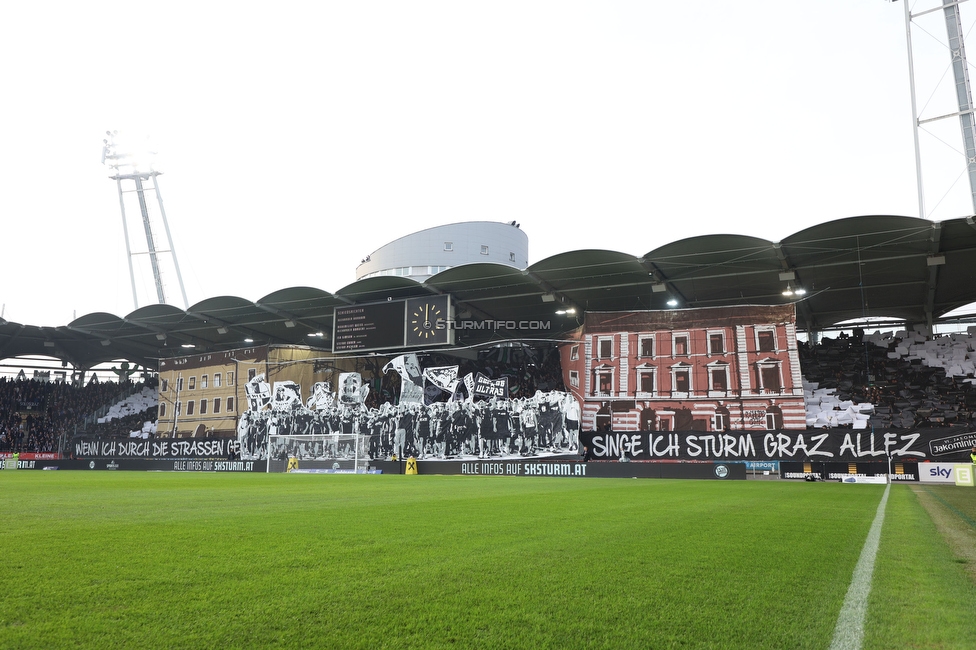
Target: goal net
336	453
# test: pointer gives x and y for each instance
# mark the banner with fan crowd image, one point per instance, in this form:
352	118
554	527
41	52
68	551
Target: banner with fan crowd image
437	415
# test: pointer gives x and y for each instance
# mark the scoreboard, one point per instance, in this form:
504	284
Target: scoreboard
392	324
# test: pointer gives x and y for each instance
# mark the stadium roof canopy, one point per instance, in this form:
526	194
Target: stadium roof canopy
860	267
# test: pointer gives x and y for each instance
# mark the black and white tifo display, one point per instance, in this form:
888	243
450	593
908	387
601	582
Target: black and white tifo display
335	428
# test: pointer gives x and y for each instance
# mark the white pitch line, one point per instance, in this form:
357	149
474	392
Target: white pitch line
849	632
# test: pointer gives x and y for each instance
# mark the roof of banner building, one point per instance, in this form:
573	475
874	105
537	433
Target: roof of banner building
859	267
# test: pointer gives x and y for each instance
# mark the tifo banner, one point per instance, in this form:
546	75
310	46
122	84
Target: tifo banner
816	445
179	448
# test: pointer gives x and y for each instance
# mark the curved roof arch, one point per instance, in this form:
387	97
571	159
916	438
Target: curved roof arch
864	266
858	267
595	279
710	270
379	288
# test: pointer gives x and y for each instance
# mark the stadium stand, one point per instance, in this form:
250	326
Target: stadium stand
37	416
899	380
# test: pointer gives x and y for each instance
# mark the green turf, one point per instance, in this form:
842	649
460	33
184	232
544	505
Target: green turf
161	560
921	597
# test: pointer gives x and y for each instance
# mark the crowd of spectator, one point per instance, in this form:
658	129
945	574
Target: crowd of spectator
123	427
36	415
908	387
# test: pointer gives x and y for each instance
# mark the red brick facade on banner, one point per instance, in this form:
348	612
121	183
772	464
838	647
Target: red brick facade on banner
711	369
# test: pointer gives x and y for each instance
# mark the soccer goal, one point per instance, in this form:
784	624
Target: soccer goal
336	453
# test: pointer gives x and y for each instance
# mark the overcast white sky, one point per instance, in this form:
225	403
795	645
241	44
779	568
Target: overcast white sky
296	139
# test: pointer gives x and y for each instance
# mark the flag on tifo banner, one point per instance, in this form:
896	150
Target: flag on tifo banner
469	385
486	387
396	363
321	396
440	379
444	377
411	393
287	396
411	377
351	388
431	393
258	393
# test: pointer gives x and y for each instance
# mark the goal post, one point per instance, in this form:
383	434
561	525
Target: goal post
335	453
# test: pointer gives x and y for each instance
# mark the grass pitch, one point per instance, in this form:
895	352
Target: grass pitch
166	560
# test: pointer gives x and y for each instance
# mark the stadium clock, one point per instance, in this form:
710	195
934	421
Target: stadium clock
427	320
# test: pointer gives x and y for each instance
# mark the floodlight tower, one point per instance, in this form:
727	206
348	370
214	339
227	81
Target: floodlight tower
135	164
964	94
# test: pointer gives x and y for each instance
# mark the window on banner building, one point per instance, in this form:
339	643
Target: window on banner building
682	381
769	378
216	405
766	340
718	378
645	382
603	382
681	345
720	421
774	418
606	348
230	404
216	380
646	346
716	343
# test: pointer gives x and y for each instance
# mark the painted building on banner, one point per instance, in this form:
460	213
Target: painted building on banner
710	369
203	395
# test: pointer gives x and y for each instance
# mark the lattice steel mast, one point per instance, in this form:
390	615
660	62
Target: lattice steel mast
964	94
137	167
